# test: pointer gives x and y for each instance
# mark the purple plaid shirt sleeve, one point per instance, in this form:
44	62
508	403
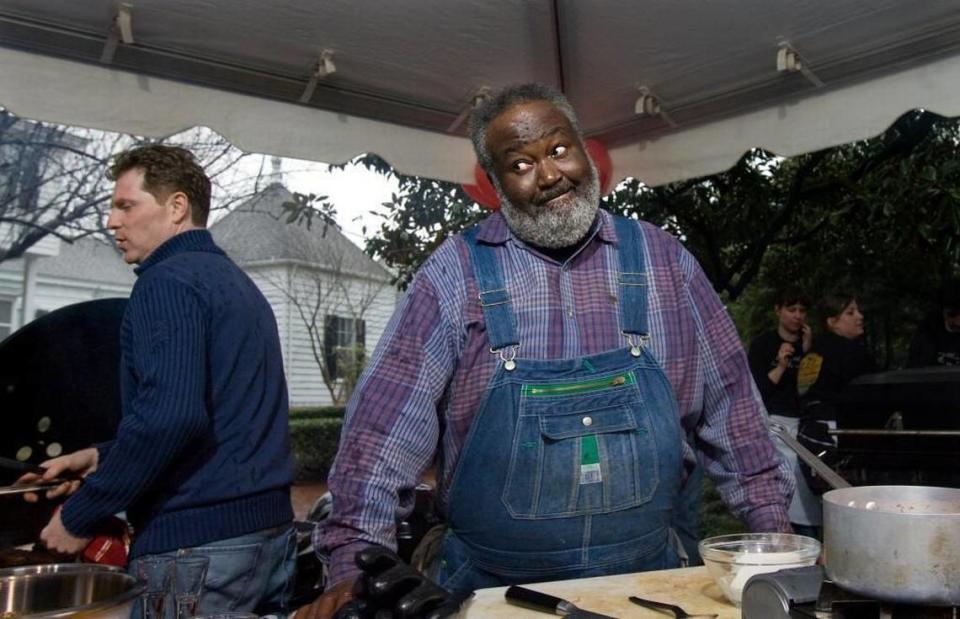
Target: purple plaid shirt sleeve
736	448
390	431
426	379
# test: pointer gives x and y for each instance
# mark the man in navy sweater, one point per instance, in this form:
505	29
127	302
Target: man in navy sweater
201	462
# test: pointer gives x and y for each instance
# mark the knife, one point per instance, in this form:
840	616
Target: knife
543	602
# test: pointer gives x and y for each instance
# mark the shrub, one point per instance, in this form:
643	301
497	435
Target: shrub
715	518
317	412
314	443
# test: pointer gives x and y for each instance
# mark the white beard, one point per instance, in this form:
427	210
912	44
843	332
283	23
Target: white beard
556	227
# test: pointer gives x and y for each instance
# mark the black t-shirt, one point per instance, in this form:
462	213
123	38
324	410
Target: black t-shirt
832	363
932	344
779	398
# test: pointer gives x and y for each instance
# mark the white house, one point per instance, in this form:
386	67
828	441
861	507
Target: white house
54	274
287	262
325	292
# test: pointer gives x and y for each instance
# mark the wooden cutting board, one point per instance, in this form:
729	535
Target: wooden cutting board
690	588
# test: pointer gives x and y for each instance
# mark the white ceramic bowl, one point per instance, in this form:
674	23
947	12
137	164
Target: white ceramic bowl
733	559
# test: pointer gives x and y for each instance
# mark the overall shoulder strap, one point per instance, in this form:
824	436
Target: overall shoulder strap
632	279
494	298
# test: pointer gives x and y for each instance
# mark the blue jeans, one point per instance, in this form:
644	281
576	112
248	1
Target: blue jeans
249	573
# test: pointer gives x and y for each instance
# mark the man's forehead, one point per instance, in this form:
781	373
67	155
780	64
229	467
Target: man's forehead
524	123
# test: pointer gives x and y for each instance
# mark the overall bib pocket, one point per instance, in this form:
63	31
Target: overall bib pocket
578	449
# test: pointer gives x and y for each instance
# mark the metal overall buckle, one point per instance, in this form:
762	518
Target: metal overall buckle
637	342
507	355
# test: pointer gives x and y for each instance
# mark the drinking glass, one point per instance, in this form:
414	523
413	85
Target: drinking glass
190	573
157	573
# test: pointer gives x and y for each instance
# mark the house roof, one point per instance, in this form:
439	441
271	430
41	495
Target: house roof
87	259
257	232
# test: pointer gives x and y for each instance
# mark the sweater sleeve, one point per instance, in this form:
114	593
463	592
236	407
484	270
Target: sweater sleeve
163	416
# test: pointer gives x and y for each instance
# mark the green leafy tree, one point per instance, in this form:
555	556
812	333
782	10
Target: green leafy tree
880	217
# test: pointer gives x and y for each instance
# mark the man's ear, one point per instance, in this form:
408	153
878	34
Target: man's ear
180	207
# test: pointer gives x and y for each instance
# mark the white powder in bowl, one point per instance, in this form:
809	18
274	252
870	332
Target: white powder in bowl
748	564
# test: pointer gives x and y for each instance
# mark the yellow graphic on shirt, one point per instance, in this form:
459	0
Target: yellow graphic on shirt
808	371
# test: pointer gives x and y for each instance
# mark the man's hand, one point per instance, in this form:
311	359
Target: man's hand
325	606
56	537
389	587
80	463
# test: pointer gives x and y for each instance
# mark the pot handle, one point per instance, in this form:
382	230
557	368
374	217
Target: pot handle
828	474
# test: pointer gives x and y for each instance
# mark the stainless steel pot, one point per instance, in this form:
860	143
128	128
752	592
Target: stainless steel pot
894	543
65	590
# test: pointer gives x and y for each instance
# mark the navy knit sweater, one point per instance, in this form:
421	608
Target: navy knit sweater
202	452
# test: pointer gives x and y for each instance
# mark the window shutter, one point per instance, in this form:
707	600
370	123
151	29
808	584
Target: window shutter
330	343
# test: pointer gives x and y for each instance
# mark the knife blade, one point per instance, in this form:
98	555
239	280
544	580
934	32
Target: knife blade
544	602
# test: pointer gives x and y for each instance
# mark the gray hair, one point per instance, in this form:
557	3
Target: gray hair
499	102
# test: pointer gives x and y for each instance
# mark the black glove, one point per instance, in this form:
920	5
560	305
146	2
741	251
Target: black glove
388	588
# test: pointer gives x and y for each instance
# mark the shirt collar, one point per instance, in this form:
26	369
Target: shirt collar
191	240
494	229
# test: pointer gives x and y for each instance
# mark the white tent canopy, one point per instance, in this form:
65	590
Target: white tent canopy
704	75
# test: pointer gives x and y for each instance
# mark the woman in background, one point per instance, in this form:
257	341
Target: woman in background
774	357
838	355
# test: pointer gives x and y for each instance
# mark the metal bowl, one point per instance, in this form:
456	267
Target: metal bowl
64	590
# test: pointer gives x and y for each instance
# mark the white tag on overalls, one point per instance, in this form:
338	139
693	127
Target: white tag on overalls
590	474
589	460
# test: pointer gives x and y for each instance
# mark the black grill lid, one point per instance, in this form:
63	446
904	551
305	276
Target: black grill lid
59	391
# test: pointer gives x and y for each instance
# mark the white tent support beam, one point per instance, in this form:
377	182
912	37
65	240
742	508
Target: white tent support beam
33	86
825	118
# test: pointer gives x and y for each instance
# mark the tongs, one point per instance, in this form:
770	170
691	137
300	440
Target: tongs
27	467
25	488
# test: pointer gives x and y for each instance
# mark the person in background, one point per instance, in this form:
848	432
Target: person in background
201	461
838	355
565	368
937	340
774	358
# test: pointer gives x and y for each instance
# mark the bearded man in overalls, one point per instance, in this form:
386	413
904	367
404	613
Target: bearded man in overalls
564	369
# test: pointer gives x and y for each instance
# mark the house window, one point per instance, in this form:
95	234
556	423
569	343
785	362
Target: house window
343	344
6	317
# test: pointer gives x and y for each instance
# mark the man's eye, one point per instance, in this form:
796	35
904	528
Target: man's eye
520	166
559	150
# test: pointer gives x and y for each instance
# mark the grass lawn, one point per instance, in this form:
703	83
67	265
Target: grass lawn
715	518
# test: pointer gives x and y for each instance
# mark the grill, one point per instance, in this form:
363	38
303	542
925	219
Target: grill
805	593
901	428
59	391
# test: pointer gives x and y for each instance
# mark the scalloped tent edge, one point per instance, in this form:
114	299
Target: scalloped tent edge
32	86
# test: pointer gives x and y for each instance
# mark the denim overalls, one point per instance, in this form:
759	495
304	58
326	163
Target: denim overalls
572	467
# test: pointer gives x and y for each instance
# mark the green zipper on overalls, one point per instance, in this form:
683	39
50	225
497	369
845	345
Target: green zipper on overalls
586	386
